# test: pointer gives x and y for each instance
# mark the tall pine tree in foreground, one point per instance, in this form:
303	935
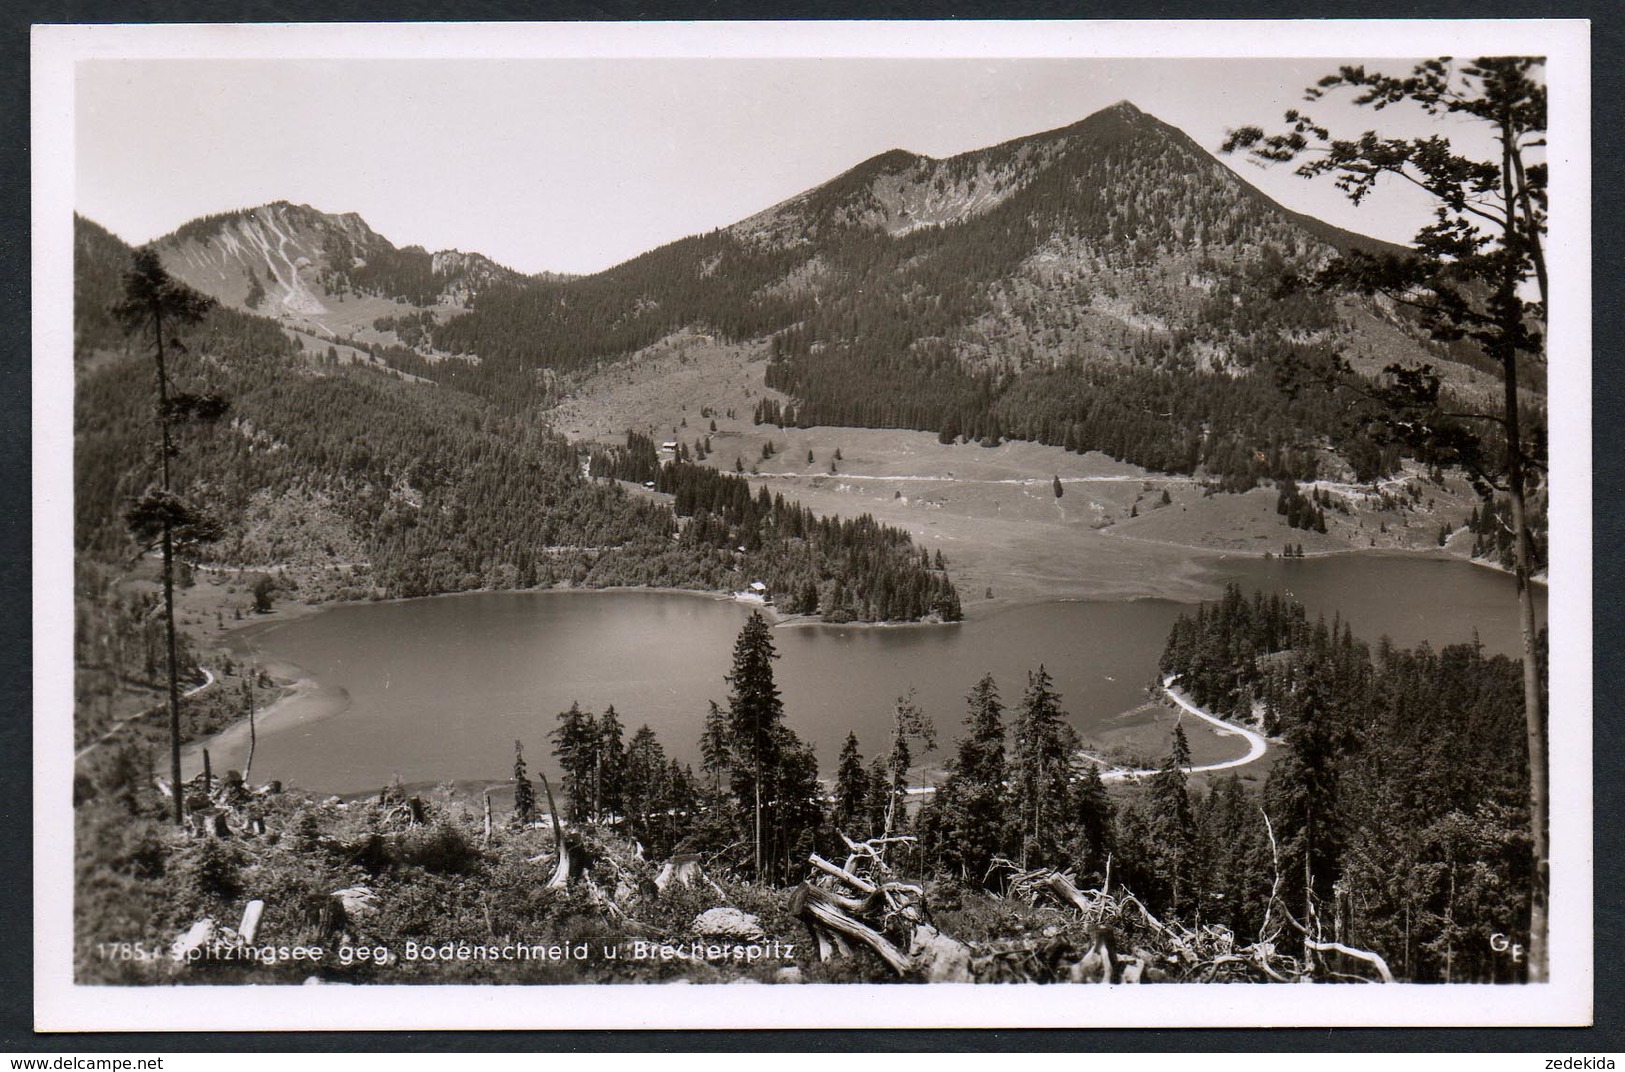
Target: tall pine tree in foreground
643	789
152	300
716	754
1466	277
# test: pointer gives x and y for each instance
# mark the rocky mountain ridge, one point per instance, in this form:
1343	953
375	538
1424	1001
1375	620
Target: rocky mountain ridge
302	266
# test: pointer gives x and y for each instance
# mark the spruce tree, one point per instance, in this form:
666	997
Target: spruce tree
964	827
716	756
1039	775
755	714
1173	828
849	813
1301	792
879	777
524	794
909	723
643	787
610	762
797	811
575	745
1094	816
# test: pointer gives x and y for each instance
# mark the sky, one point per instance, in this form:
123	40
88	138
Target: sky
577	164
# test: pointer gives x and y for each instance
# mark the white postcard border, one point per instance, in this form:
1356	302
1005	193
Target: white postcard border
63	1005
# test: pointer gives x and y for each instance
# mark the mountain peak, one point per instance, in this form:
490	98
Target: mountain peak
899	191
298	263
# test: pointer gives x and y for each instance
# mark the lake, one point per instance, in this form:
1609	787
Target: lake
438	689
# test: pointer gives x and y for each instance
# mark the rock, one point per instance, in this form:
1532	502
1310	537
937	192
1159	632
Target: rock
728	923
941	959
792	974
358	901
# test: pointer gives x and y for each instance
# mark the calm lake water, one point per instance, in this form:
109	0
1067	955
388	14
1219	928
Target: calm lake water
438	689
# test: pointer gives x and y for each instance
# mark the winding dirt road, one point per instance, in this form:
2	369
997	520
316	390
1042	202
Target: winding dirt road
1257	743
208	679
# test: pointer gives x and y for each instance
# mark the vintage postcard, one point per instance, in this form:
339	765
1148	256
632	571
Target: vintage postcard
639	509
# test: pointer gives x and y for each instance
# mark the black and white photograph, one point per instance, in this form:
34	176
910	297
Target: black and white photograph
813	509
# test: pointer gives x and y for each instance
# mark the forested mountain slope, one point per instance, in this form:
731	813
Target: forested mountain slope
1108	285
414	489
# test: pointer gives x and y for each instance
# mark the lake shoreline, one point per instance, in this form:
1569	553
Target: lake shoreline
307	700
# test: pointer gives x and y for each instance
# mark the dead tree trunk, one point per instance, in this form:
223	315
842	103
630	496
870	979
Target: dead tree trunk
561	873
819	908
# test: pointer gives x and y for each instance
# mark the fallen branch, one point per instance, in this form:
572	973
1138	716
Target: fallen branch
862	885
1374	959
820	910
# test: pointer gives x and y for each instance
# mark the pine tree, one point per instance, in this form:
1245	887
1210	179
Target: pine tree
909	723
610	758
1094	817
524	794
575	746
1301	792
152	298
964	826
1466	278
798	811
1039	773
643	787
1173	826
850	811
716	755
879	778
755	713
